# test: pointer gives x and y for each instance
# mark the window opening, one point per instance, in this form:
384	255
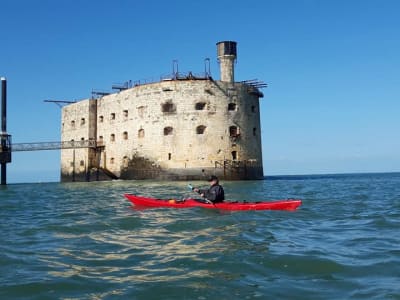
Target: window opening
232	106
112	137
234	155
200	129
141	133
168	130
200	106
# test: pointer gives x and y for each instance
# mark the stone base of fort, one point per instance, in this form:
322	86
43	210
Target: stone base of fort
241	173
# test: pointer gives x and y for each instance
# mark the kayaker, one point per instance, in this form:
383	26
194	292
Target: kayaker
215	193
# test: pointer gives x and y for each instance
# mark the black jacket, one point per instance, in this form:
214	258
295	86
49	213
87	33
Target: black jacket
215	193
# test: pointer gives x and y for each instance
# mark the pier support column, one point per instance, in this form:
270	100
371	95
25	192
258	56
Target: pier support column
5	139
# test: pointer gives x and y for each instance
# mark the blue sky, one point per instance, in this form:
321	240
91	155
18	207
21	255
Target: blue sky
333	70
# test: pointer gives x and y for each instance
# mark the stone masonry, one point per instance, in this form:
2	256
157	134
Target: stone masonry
175	129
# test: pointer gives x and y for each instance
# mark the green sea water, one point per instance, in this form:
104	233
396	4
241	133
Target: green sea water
85	241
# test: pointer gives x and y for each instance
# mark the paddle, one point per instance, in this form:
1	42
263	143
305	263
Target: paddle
205	199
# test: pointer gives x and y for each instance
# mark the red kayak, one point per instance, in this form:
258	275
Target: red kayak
146	202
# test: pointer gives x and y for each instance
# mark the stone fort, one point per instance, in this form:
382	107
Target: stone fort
183	127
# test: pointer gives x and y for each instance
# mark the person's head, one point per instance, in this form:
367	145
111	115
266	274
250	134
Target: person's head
213	180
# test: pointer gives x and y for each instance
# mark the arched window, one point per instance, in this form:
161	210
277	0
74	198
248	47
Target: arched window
83	121
200	129
112	137
169	156
73	124
168	130
112	160
233	131
232	106
112	116
200	106
101	119
100	141
125	114
125	135
141	133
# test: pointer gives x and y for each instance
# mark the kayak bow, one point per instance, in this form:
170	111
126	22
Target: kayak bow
146	202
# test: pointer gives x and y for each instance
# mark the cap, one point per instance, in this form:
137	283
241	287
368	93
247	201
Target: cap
212	178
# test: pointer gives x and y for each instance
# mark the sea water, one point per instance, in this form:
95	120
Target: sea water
85	241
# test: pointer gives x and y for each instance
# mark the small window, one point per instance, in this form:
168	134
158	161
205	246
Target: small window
168	130
71	164
234	155
233	131
254	131
125	135
112	160
82	121
112	116
125	113
112	137
141	133
200	106
232	106
141	111
100	141
169	156
101	119
253	108
82	138
82	163
125	162
73	124
168	107
200	129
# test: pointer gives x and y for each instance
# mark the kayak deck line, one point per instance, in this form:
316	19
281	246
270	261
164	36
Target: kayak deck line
147	202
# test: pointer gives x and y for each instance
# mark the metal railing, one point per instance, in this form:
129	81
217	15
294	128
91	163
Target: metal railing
53	145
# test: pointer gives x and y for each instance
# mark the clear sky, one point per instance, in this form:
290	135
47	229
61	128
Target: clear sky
333	70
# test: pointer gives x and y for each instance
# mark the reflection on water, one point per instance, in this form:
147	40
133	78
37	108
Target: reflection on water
166	248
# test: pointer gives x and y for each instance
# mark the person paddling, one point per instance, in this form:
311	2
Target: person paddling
215	193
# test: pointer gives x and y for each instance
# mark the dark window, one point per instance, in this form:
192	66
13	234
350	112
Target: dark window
200	129
232	106
234	155
125	135
112	160
73	124
254	131
169	156
168	130
233	131
112	137
168	107
200	105
125	113
253	109
112	117
82	121
82	163
101	119
82	139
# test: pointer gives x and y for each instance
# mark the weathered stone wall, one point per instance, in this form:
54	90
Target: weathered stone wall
176	129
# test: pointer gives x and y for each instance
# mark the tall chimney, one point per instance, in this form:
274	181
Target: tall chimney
226	53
